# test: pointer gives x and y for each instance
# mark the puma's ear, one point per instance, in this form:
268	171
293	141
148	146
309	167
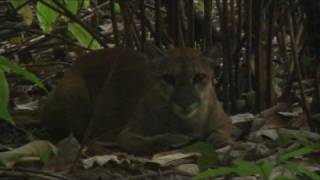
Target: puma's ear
152	51
214	55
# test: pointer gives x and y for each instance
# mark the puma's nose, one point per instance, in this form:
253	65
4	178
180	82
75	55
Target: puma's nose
185	110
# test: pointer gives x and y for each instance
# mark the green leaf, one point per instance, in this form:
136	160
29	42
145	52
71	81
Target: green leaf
47	154
208	154
25	11
300	169
2	164
116	8
46	16
72	6
295	153
303	139
245	168
211	173
266	169
310	174
84	38
4	93
200	147
285	178
293	167
85	4
6	64
4	68
285	139
17	3
4	99
199	7
37	148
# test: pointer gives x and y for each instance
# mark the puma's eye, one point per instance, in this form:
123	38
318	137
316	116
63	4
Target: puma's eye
168	78
199	78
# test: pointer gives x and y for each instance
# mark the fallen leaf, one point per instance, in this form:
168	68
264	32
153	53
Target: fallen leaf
260	135
289	114
188	169
240	118
102	160
34	151
176	158
31	106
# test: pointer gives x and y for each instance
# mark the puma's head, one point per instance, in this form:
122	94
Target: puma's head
182	81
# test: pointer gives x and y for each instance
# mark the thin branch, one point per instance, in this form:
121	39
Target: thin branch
114	24
23	172
299	74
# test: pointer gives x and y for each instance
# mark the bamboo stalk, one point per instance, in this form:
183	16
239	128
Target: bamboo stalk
269	55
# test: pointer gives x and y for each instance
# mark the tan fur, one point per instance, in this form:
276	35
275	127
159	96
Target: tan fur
146	104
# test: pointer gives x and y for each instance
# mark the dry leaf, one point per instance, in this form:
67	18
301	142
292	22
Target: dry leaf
240	118
102	160
36	150
188	169
172	159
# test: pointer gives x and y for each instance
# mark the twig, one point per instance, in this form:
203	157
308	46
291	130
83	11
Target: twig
208	24
152	174
304	105
114	24
124	5
191	20
269	54
100	6
23	172
143	23
258	6
157	22
53	35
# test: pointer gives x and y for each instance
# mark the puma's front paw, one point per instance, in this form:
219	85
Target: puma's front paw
170	140
219	139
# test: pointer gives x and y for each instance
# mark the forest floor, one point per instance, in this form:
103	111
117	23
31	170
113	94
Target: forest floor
272	144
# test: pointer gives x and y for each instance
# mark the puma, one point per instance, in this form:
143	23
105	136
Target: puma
145	103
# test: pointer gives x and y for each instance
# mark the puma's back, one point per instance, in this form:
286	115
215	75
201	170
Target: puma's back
72	104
